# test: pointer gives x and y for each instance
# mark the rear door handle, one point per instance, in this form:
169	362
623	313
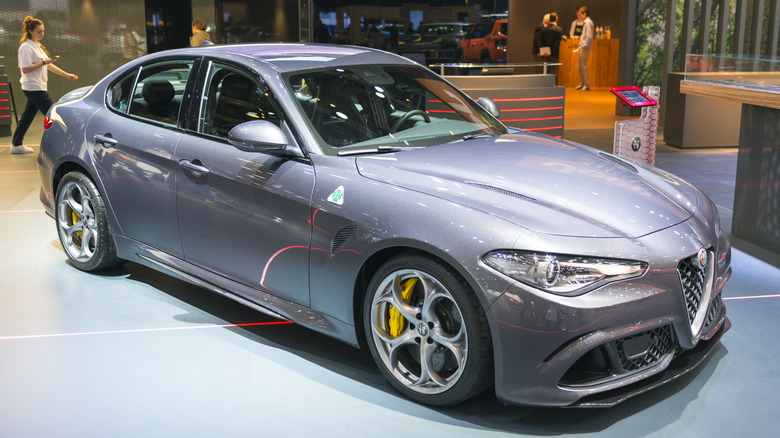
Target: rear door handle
196	168
106	140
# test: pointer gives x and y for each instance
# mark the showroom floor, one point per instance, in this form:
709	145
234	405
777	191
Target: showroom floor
134	353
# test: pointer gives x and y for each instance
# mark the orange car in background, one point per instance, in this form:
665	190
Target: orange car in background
486	42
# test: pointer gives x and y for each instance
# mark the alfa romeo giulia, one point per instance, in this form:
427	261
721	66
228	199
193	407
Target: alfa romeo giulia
361	195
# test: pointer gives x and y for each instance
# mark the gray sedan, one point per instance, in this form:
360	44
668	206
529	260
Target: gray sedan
359	194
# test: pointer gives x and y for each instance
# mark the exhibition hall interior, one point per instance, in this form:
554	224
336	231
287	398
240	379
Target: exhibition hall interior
691	87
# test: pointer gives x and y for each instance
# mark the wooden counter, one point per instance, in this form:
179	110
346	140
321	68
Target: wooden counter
730	91
602	63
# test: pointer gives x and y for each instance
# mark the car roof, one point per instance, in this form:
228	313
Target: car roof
299	56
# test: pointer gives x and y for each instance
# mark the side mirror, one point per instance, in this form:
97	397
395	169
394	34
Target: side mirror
257	136
489	106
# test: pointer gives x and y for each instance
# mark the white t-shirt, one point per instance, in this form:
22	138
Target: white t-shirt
30	53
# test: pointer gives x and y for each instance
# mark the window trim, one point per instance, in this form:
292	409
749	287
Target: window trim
184	106
295	149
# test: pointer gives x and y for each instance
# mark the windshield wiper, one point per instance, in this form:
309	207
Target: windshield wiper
376	150
480	135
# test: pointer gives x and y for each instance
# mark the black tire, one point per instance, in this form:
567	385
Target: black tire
454	335
82	225
485	58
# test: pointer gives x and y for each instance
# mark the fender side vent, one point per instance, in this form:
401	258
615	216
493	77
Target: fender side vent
500	190
341	237
615	160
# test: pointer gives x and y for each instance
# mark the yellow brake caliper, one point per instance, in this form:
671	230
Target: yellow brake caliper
74	219
395	321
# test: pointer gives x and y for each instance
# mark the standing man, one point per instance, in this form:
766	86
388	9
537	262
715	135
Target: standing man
538	37
551	42
586	43
199	33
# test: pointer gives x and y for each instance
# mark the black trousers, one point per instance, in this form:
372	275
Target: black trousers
36	100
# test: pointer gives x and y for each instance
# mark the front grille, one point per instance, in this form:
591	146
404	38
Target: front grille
616	359
659	343
692	278
713	312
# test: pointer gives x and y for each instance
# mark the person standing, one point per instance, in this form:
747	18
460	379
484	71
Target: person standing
35	64
538	37
199	34
550	45
321	33
586	44
576	28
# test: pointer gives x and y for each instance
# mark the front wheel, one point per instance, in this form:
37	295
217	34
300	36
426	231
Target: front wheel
82	224
427	331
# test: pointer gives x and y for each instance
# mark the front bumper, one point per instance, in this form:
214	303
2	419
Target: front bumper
614	343
678	367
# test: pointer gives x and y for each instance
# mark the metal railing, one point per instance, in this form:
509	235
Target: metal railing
544	66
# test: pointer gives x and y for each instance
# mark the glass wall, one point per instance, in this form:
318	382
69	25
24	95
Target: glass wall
92	38
257	20
428	32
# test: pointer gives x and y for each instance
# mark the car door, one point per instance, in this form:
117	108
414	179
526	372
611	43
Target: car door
243	215
134	139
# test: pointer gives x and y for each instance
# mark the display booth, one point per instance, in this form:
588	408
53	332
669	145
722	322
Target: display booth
635	139
6	102
529	101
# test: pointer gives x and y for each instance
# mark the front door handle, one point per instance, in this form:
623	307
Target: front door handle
196	168
106	140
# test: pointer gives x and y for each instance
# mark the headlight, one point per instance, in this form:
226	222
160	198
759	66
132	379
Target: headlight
561	274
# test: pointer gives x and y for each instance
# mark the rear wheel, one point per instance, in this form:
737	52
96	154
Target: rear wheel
485	58
82	224
427	331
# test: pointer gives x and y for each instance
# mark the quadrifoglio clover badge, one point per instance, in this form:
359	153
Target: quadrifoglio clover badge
337	197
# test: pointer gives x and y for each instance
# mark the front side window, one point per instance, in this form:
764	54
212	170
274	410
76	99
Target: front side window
159	91
233	97
391	105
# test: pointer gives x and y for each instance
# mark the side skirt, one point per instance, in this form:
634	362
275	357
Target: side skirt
254	298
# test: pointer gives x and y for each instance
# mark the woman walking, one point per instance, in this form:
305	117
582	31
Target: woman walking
35	63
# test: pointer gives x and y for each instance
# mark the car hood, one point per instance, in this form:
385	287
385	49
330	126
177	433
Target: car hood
543	184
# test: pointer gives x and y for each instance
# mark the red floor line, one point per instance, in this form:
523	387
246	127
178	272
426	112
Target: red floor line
112	332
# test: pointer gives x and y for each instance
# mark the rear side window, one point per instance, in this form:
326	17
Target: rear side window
159	90
118	96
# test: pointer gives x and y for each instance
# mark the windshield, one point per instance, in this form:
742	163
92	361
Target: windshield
355	107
